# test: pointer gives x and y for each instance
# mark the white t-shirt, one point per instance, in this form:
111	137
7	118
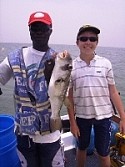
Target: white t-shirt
31	57
90	88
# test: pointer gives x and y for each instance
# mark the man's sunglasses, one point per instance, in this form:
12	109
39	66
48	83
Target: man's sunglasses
39	29
91	39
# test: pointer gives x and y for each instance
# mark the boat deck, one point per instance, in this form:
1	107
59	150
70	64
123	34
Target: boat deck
69	143
92	160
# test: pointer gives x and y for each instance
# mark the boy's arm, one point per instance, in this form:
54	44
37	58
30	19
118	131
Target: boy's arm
114	95
71	112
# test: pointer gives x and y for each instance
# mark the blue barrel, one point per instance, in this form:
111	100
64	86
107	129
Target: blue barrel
114	130
8	143
91	147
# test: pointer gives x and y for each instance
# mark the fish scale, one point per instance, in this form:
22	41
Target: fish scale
58	86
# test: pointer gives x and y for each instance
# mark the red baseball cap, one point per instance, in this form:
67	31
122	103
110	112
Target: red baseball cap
40	16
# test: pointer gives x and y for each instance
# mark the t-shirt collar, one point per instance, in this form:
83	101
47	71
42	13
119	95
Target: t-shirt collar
94	58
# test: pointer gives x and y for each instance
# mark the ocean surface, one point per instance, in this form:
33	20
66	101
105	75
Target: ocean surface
115	55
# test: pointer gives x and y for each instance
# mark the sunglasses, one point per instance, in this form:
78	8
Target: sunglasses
91	39
39	29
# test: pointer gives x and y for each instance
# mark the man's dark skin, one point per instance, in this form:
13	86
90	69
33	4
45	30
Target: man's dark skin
40	34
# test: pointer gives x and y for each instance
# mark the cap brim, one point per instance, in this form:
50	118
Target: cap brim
39	20
93	29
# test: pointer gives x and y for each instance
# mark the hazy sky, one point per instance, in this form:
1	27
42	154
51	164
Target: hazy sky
68	16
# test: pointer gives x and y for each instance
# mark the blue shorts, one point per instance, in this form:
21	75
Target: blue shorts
102	134
40	155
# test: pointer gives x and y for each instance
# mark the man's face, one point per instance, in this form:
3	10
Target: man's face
40	33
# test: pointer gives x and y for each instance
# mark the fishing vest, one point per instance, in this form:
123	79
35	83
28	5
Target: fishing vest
32	106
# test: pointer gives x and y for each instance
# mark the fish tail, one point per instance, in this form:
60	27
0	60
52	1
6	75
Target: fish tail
55	124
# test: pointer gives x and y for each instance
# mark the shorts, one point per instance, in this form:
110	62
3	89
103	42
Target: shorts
41	155
102	134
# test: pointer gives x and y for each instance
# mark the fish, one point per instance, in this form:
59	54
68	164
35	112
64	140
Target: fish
58	87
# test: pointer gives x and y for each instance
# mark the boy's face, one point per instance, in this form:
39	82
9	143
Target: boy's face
87	42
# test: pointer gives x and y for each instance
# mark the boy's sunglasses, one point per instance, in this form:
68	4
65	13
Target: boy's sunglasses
91	39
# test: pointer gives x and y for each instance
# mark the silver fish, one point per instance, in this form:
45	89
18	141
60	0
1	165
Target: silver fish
58	86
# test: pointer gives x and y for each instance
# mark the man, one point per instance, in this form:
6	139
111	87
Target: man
31	68
91	88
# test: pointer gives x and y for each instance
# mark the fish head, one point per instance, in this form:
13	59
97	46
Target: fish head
64	60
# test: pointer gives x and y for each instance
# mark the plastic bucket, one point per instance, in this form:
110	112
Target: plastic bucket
10	158
8	143
7	134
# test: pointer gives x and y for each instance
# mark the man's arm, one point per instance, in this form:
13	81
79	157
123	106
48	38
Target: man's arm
5	72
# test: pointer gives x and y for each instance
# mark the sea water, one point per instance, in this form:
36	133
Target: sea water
115	55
